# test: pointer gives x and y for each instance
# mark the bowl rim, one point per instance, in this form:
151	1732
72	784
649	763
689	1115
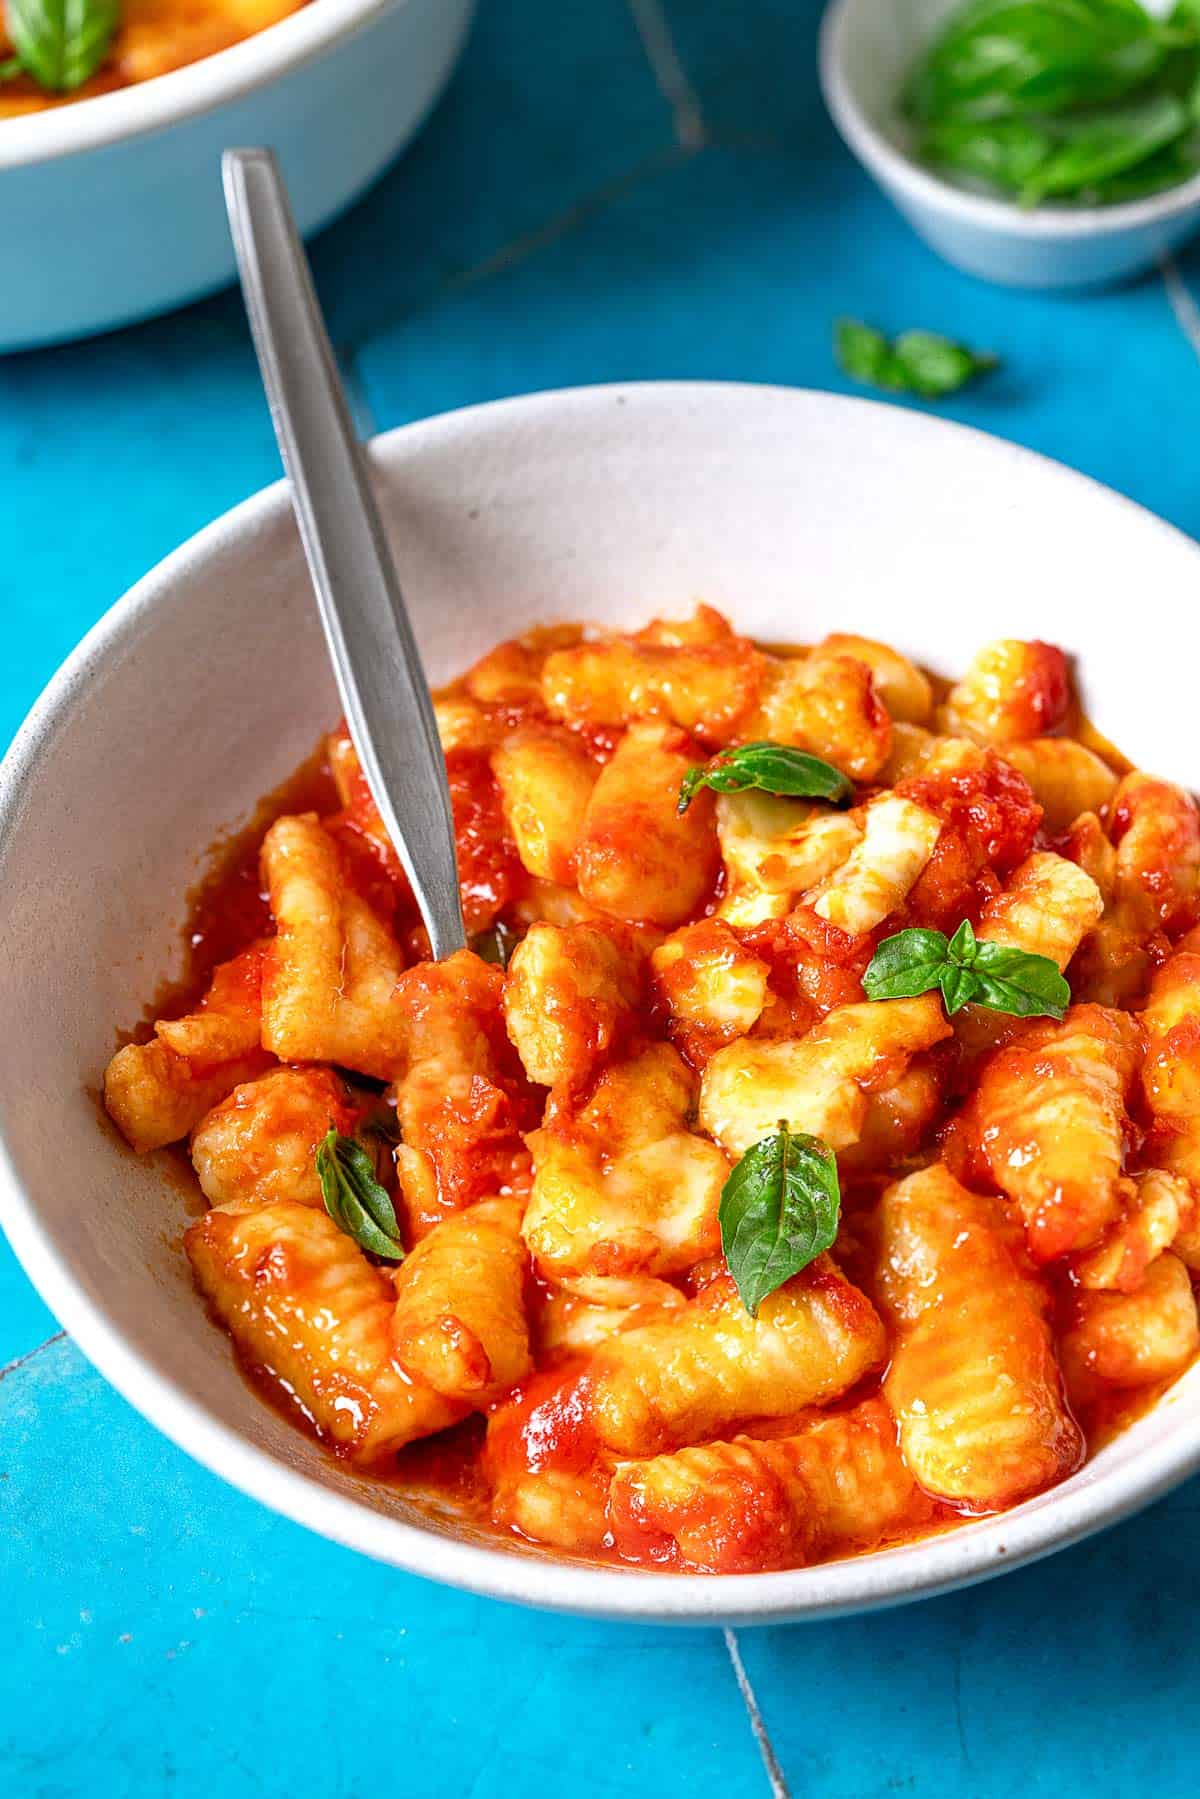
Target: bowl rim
198	87
923	1568
922	188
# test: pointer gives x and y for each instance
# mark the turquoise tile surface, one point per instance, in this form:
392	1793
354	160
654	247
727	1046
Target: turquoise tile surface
610	190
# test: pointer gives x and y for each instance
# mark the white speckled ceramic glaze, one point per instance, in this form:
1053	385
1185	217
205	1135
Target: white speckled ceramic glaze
867	47
112	207
201	690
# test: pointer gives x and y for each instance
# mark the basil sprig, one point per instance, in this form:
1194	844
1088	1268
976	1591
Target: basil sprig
917	362
773	767
354	1198
1092	101
779	1210
60	43
969	972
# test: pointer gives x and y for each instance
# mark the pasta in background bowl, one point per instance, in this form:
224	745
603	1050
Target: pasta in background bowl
605	504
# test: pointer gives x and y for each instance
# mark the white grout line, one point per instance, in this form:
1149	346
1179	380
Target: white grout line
20	1361
1187	313
779	1786
655	32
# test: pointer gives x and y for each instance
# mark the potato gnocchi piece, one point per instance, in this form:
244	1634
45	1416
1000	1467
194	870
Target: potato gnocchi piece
638	858
548	902
1050	1120
713	987
897	1119
511	674
735	1507
912	746
460	1320
712	1366
156	36
1131	1339
568	995
828	706
302	1302
1156	829
545	782
564	1324
260	1145
774	849
331	972
156	1092
875	879
706	687
463	724
1158	1206
1047	909
460	1103
1012	690
973	1379
622	1190
555	1506
904	690
817	1082
1067	778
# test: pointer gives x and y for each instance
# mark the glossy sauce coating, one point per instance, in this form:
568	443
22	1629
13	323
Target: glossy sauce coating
564	1356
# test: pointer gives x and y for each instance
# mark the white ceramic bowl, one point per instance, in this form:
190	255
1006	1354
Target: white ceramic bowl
867	48
202	688
112	206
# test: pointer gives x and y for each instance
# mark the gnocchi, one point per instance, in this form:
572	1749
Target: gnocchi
656	1221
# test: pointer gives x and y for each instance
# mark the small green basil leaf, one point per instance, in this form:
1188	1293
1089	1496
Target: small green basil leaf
863	353
773	767
919	362
779	1211
61	42
1026	986
1003	153
1106	145
905	965
959	986
963	945
354	1198
934	366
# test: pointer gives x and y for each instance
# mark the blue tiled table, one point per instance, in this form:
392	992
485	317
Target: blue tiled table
611	189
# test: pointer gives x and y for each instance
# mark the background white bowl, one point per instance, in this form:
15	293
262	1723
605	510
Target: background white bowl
798	512
867	49
113	207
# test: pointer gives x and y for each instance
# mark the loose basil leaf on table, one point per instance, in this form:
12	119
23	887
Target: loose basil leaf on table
968	971
773	767
354	1198
60	43
779	1210
917	362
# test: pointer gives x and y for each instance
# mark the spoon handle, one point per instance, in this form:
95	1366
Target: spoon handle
371	643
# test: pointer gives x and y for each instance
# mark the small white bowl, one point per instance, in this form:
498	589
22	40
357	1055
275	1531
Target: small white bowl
867	48
203	687
113	207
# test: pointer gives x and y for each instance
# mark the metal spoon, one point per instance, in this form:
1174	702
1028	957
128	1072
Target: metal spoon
371	642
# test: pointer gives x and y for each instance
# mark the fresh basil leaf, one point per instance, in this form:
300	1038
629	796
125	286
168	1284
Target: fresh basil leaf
779	1210
905	965
1002	153
863	353
773	767
933	366
61	42
969	971
11	68
1105	145
998	59
918	362
1176	163
1026	986
354	1198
